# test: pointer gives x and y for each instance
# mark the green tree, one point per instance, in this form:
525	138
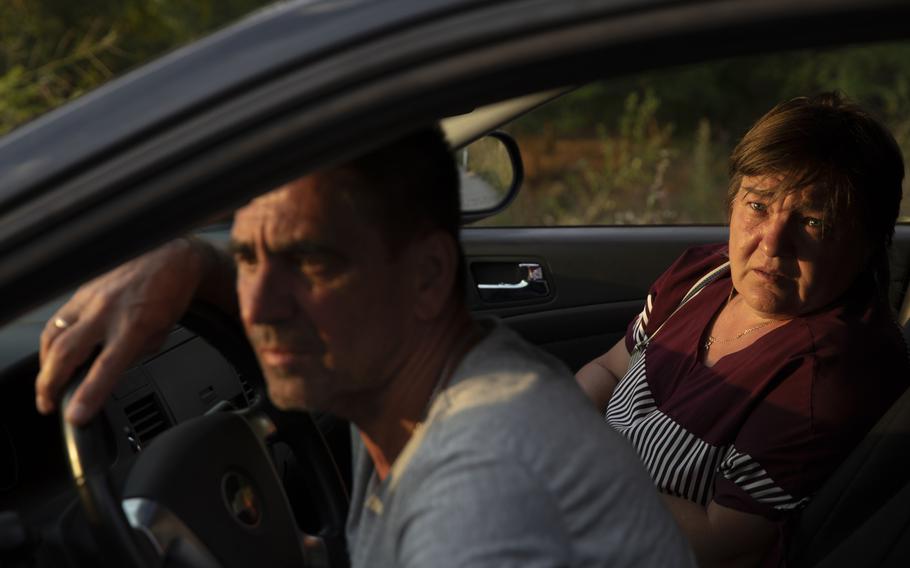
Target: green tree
647	173
52	51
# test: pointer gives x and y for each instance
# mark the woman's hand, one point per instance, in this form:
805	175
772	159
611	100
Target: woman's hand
128	311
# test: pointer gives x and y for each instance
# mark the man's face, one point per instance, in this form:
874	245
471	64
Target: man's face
319	295
784	258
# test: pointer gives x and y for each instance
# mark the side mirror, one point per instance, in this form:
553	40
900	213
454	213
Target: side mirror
491	173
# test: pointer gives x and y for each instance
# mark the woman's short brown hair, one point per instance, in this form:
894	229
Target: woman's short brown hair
832	145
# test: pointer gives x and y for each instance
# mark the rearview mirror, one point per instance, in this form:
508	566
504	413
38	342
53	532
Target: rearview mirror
491	173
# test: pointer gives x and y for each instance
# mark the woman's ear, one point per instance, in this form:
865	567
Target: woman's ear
435	264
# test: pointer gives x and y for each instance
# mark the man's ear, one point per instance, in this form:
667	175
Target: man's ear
435	268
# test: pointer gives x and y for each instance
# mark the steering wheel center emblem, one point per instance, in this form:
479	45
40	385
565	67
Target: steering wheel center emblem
241	499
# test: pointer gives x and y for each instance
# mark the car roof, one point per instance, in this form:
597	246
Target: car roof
306	84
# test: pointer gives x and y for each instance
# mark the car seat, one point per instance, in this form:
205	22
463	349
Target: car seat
861	516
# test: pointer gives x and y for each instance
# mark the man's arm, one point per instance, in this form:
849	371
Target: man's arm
599	377
128	311
721	536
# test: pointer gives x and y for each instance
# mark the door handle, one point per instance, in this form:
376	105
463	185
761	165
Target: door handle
504	286
531	284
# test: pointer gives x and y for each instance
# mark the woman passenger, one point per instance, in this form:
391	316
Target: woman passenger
756	365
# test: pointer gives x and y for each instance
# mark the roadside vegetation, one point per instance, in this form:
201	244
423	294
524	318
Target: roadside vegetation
52	51
652	148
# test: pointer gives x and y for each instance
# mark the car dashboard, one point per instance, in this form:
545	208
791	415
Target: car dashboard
40	518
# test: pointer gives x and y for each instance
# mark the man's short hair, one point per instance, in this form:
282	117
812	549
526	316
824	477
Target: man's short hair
411	186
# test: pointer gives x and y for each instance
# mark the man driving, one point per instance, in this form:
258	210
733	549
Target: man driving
473	448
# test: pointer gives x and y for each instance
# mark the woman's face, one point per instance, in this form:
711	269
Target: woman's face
784	260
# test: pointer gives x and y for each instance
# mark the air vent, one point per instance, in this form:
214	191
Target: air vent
147	418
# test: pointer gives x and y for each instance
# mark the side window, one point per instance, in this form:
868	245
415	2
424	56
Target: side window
652	149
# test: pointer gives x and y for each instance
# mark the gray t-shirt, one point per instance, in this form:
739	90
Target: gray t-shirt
513	467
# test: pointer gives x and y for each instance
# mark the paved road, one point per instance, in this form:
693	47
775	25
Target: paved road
477	194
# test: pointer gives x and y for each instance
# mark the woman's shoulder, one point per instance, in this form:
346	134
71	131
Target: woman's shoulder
686	270
855	329
859	329
859	361
668	290
694	262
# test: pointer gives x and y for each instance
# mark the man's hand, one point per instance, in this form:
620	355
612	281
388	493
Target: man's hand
128	311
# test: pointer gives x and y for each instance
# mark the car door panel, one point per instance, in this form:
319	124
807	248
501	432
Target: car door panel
597	278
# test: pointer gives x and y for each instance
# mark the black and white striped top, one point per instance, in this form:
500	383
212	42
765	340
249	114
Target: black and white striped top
680	463
761	429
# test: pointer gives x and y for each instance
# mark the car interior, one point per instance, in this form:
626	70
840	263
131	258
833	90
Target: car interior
569	288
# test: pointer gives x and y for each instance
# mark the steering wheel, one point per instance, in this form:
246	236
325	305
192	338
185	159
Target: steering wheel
205	493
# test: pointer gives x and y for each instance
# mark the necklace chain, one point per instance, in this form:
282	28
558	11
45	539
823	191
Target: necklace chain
712	340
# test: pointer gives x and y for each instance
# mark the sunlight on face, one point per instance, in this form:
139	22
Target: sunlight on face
319	295
785	258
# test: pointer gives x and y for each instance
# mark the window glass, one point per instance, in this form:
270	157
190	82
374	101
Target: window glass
52	51
652	148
